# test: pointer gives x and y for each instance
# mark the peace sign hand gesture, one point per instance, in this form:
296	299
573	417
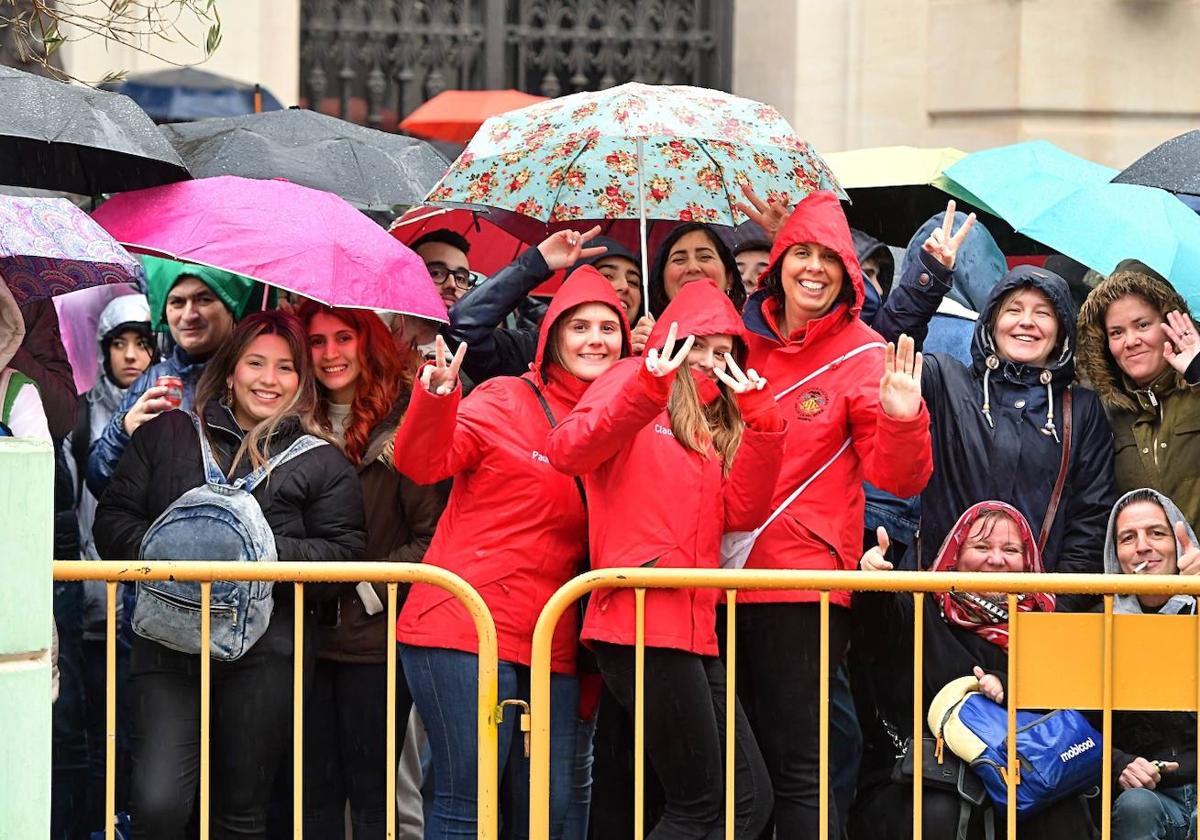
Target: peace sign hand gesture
768	215
565	248
665	364
900	387
943	246
1184	343
736	381
1189	554
441	377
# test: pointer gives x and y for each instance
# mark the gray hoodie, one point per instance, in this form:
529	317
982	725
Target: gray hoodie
1179	604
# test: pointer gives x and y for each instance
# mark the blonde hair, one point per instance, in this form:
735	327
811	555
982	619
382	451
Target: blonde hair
301	406
703	428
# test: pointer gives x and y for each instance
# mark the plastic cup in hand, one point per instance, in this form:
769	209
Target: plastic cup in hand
174	386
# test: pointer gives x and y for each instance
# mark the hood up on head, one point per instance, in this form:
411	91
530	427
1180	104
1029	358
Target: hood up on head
866	247
12	326
701	309
1112	566
615	249
584	285
978	266
976	612
819	218
124	313
1096	363
241	295
1060	369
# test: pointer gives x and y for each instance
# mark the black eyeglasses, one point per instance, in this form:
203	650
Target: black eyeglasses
439	271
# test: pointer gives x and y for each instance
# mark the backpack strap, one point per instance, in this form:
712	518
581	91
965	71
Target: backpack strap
1056	495
213	475
299	446
550	416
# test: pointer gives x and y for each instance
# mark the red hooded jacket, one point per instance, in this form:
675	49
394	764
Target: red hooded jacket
823	528
514	527
653	502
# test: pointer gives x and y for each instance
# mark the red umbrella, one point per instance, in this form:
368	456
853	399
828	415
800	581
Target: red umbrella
455	115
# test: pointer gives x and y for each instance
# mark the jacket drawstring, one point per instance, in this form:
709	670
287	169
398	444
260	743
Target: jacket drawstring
1049	428
991	363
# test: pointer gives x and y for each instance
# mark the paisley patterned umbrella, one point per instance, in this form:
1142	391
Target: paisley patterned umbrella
633	152
48	247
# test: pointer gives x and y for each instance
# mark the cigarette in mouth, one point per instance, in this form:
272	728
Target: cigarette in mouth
1137	570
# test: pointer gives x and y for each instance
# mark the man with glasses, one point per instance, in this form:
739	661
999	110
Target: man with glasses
445	255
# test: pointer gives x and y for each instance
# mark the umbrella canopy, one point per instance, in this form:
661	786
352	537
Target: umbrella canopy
1069	204
455	115
57	136
1173	166
371	169
891	166
183	94
292	237
49	247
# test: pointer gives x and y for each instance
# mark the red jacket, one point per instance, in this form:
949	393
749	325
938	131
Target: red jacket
823	528
514	527
653	502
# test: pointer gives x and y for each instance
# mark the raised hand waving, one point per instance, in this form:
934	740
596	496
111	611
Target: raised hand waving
942	244
441	377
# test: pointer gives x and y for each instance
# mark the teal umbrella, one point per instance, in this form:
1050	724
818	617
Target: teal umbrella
1068	203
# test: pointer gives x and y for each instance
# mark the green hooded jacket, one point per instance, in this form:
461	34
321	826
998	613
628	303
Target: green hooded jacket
1156	429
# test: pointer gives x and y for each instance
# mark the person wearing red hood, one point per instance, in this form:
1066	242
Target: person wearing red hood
672	460
516	530
845	425
964	634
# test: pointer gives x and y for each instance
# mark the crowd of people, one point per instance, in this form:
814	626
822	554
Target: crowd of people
795	402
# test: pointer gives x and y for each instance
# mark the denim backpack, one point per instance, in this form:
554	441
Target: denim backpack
1059	752
219	520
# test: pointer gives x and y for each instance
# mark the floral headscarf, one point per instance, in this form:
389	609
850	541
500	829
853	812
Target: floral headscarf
976	611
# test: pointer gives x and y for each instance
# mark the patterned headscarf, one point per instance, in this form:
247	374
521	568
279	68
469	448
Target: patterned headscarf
976	611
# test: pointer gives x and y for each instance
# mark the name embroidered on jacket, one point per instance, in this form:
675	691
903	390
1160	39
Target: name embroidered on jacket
538	456
1076	750
663	430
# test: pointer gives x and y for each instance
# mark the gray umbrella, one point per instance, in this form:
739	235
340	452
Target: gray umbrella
371	169
1173	166
56	136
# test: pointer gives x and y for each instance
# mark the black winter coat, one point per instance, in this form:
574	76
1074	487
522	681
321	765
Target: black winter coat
313	503
1014	457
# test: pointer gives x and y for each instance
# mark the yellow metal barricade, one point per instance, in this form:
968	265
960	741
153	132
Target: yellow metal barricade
299	574
1089	661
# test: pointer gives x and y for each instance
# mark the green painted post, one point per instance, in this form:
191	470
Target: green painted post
26	543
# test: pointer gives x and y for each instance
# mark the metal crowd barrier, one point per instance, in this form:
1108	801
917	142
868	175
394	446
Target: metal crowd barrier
1088	661
299	574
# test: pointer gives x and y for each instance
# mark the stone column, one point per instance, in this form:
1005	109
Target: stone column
26	543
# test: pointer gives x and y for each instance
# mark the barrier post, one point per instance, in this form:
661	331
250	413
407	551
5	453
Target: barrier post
26	531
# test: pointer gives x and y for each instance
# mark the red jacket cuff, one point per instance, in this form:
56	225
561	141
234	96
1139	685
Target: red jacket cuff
760	410
657	387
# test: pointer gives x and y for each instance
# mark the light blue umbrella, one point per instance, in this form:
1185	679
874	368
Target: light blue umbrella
1067	203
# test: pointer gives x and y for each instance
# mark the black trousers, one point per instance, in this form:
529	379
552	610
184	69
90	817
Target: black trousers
685	715
778	666
251	707
345	747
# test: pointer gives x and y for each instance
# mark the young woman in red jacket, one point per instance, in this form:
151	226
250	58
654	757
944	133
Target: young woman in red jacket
845	425
516	530
672	460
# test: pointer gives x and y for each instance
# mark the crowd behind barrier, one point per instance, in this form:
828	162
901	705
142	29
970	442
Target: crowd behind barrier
719	419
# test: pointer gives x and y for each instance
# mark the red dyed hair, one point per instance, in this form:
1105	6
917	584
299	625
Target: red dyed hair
386	375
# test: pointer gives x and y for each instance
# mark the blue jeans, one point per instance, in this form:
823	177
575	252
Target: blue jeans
1160	814
444	686
575	827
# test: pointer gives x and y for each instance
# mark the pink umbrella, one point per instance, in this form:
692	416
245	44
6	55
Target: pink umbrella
306	241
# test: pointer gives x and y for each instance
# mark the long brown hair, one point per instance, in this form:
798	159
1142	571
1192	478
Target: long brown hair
386	376
703	428
222	365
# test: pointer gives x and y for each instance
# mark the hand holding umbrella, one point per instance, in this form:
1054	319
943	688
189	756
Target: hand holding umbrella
1184	343
942	244
441	377
900	387
641	334
665	364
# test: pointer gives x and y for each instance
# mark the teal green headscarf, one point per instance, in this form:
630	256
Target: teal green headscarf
239	294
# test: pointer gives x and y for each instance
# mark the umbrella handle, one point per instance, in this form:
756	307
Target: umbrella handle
642	228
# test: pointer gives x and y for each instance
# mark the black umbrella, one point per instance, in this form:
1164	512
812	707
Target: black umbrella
185	93
371	169
56	136
1173	166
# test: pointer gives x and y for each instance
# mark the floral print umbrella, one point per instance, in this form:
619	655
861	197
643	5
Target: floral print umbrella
630	152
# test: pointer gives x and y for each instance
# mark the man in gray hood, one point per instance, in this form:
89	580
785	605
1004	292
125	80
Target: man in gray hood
1153	753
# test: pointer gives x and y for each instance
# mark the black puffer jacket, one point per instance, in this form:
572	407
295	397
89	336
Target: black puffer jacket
1015	455
313	503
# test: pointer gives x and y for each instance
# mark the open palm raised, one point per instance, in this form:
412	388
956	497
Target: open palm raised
900	387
